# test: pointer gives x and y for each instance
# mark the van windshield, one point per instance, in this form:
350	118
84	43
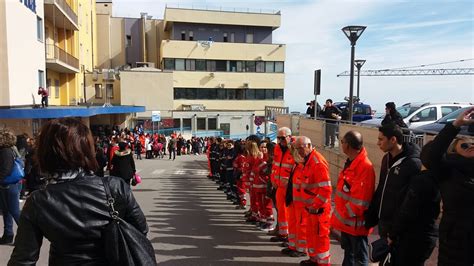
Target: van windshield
407	110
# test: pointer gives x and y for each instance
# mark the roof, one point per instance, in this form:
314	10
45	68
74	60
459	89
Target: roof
66	111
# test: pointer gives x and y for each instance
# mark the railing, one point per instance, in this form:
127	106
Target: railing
67	9
223	9
55	52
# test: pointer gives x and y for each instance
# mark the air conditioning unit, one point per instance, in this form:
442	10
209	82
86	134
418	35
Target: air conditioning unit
108	74
95	75
246	84
211	74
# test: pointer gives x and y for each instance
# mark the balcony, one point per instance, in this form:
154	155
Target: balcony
60	61
60	14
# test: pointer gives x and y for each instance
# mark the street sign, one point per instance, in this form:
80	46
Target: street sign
155	116
258	120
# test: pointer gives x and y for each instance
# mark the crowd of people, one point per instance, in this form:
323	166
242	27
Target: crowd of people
64	170
294	177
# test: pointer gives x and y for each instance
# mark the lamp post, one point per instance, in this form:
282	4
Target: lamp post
352	33
358	63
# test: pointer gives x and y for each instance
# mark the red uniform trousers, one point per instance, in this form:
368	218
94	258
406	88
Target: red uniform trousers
318	237
301	224
241	191
282	212
264	204
292	226
253	201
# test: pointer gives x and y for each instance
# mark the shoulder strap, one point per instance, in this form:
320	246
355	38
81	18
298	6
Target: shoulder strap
110	200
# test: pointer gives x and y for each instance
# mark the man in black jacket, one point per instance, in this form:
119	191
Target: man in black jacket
400	163
393	116
331	113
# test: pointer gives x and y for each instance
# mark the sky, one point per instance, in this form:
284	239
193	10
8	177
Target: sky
399	34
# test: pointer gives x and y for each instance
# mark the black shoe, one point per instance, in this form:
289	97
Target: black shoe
287	251
308	263
279	239
284	244
296	254
6	240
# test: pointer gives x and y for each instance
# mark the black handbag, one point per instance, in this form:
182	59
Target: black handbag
124	244
379	250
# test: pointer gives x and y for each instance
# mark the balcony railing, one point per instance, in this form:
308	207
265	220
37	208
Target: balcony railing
66	8
55	52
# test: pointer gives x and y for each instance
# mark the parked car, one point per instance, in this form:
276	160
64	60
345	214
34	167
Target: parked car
361	111
420	114
436	127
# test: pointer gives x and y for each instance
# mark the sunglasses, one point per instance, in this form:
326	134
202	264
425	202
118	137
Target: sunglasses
281	138
466	145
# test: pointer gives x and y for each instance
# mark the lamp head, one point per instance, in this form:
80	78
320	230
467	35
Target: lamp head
353	33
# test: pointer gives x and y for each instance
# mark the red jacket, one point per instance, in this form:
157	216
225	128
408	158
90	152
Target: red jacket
282	165
354	191
238	164
316	183
260	177
247	170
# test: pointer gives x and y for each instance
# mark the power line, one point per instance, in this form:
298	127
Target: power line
434	64
414	72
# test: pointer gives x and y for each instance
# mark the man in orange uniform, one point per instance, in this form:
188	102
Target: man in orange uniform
316	194
354	191
283	162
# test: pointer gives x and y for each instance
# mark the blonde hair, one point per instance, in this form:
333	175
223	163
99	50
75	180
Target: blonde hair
294	152
252	148
452	147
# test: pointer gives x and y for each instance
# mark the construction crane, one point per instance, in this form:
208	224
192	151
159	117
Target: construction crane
413	72
417	70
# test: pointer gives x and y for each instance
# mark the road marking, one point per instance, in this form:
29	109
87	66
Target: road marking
158	171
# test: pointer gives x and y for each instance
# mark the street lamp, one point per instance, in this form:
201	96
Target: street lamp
358	63
352	33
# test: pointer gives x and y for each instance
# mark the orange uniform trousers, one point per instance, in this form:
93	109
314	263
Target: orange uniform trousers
282	211
318	237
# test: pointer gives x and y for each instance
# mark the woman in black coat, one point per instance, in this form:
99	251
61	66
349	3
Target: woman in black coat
453	165
71	211
123	164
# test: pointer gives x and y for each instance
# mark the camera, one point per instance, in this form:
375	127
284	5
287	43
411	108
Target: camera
310	103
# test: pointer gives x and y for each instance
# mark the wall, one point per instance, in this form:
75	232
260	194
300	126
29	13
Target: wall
4	82
257	106
24	52
133	28
152	89
204	31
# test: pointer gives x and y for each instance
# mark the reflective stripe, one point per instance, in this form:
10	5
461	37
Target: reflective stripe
296	186
252	173
311	250
262	164
230	169
251	179
302	241
351	199
276	164
301	199
291	244
286	165
349	210
291	236
323	255
259	186
283	231
315	159
300	249
283	224
322	198
347	221
316	185
326	261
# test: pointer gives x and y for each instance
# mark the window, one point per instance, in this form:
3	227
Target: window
250	66
249	38
249	94
260	94
206	94
190	94
169	64
232	66
201	123
179	64
279	67
278	94
110	90
128	41
240	66
427	114
211	65
232	37
269	95
39	28
176	123
187	123
201	65
212	123
231	94
221	65
191	35
183	35
41	78
240	94
225	37
179	93
270	67
445	110
56	88
98	91
48	86
221	95
260	66
190	64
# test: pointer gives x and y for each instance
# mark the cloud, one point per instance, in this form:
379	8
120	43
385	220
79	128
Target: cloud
421	24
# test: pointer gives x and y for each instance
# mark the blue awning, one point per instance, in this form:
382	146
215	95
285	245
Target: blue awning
66	111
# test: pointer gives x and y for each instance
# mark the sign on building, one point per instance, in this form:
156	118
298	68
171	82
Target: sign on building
155	116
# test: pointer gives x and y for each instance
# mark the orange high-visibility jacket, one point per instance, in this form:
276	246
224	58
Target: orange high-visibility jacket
297	180
354	191
282	165
316	183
